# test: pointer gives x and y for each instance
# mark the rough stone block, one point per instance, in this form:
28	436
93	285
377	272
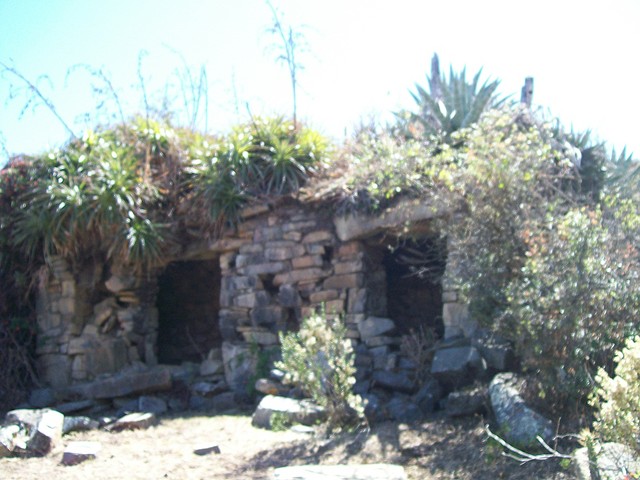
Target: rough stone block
252	300
357	300
288	296
320	236
55	370
375	326
334	306
276	254
457	367
467	402
396	381
323	296
270	315
352	266
304	275
307	261
351	280
263	268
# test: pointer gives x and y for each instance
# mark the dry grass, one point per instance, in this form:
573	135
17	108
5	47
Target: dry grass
439	449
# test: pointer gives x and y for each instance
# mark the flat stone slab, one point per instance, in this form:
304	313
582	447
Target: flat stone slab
206	449
134	421
289	409
78	452
341	472
131	383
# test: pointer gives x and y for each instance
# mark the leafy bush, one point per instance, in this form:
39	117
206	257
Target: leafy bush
573	304
320	360
617	399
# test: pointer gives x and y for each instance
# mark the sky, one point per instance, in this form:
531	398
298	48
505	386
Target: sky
363	57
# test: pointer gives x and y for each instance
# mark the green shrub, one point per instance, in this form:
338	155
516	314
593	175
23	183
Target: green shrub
320	360
617	399
573	304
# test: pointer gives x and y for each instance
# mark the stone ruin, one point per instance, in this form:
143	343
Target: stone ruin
216	308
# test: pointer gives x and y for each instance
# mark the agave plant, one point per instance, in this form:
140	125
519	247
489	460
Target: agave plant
450	104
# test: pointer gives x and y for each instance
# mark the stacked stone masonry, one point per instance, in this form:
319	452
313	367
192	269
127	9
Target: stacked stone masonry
277	267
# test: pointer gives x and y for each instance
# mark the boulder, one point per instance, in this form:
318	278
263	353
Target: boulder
457	367
519	423
341	472
78	452
291	410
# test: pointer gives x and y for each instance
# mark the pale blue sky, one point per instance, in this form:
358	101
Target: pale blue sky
365	57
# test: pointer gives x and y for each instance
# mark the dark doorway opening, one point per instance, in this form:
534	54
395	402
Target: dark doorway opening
414	270
188	305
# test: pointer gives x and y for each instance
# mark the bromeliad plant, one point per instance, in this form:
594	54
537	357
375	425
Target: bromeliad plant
450	104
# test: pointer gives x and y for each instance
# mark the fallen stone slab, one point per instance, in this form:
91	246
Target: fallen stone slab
77	406
78	424
375	326
78	452
134	421
520	424
130	384
206	449
341	472
289	410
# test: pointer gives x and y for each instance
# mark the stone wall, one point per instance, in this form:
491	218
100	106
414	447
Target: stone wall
280	265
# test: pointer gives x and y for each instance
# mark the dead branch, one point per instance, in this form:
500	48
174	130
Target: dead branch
524	457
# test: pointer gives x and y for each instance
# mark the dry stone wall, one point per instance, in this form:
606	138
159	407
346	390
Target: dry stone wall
278	266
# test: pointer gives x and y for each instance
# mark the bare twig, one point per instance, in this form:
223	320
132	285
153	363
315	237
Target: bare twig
100	74
524	457
37	93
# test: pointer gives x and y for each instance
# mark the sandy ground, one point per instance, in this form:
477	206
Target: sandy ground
439	449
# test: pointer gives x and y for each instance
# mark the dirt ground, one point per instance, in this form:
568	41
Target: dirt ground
441	448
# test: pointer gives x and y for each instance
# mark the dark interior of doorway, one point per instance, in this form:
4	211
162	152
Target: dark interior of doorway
414	270
188	304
